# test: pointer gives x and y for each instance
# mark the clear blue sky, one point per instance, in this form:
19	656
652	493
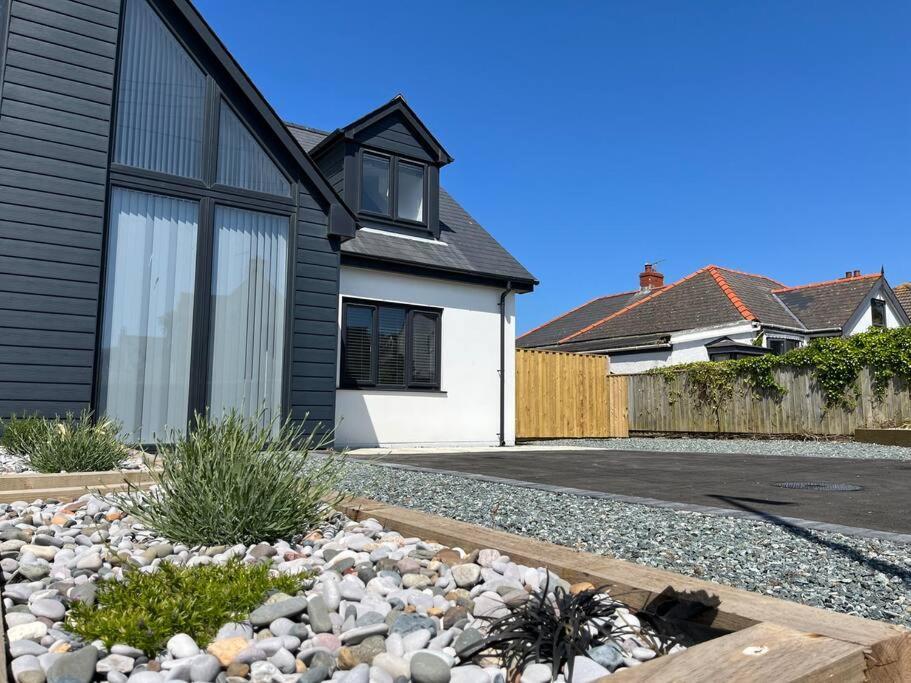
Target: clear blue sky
772	137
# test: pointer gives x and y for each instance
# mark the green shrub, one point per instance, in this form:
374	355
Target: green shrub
233	481
70	444
145	609
22	432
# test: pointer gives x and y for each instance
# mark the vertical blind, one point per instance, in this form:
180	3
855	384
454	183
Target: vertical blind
242	162
424	347
392	345
148	313
358	350
249	283
161	98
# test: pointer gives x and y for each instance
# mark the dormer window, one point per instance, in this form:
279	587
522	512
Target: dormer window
392	187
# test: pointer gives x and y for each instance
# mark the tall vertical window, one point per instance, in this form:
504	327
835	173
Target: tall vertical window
375	184
242	162
248	313
878	312
161	98
148	313
410	191
390	346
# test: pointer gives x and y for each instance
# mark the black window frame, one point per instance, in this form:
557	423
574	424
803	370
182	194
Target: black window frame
409	384
877	306
394	160
787	344
208	194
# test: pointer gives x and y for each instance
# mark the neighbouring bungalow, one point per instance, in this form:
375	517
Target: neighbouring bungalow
717	313
168	244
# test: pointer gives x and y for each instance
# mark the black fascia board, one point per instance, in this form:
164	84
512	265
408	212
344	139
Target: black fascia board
519	285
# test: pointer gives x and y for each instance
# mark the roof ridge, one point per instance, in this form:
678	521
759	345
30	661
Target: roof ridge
839	280
634	305
306	127
743	272
573	310
731	294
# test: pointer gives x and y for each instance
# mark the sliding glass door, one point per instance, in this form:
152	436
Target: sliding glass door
249	282
148	312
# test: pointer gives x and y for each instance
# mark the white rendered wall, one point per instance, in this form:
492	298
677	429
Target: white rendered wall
687	347
467	410
863	318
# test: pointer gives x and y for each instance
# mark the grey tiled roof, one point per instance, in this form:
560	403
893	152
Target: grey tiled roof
755	291
903	294
829	304
464	245
696	301
552	332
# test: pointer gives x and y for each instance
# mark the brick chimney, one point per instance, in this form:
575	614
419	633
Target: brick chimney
650	278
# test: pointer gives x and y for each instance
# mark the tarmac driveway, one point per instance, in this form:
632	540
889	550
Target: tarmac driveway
734	481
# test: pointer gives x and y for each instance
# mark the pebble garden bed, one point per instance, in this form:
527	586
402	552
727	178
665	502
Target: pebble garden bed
376	606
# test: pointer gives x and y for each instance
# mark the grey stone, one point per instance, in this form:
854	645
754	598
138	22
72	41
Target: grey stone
315	674
126	650
250	654
357	635
318	614
471	673
467	638
416	640
266	614
74	667
359	674
537	673
331	595
283	660
408	623
281	626
18	648
428	667
233	629
204	668
146	677
609	656
47	608
585	670
84	593
466	575
264	672
393	664
370	618
27	667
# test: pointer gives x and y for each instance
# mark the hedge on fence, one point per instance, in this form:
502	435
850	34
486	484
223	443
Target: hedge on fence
835	363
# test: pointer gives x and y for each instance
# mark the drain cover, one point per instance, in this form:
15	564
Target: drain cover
818	486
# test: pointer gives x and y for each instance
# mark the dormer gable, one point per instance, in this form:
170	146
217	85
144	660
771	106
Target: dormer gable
386	165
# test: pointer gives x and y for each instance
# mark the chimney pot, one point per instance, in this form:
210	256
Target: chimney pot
847	273
650	278
856	273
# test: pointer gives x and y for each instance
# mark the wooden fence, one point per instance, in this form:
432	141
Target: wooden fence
656	405
564	395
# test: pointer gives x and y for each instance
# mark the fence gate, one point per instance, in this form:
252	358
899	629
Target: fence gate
568	395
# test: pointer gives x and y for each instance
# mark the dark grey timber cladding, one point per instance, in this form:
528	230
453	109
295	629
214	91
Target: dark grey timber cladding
315	334
391	133
332	164
55	108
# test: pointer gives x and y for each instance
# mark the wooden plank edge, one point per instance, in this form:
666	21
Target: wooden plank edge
764	652
887	647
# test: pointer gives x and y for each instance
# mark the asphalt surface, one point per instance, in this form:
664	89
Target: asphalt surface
734	481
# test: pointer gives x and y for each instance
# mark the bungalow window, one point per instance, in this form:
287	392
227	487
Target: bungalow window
878	312
392	187
390	346
780	346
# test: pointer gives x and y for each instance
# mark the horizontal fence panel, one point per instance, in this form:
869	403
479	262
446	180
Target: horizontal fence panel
657	404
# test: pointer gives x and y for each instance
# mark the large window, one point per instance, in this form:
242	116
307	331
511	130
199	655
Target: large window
781	345
392	187
148	313
196	284
390	346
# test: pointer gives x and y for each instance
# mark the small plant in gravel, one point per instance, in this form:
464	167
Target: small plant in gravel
69	444
556	628
145	609
233	481
22	432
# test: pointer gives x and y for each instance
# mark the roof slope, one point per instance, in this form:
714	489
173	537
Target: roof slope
572	321
702	299
464	245
903	294
827	304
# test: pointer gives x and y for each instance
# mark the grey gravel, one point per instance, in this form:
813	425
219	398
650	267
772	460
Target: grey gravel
784	447
866	577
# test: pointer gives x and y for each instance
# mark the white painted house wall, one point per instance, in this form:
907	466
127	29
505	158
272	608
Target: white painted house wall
467	410
688	346
862	319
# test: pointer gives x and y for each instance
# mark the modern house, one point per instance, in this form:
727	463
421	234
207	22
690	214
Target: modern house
717	313
169	245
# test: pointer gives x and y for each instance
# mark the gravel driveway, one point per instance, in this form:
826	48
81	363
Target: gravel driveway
814	449
866	577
